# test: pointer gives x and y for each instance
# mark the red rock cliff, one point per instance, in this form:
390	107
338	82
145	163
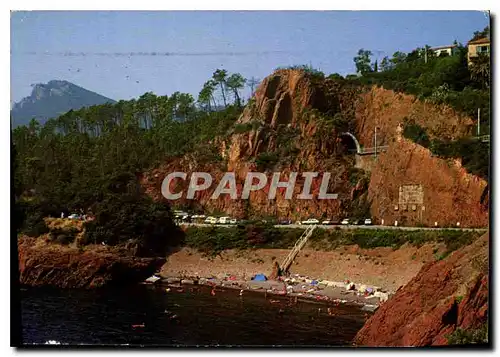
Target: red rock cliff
444	296
386	109
448	193
284	124
286	118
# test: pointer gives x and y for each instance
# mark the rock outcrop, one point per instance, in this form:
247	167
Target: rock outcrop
386	109
444	296
448	194
280	120
291	126
50	264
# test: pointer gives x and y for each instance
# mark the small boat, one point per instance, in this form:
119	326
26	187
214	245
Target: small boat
152	279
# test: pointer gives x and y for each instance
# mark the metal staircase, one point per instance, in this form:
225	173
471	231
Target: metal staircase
296	248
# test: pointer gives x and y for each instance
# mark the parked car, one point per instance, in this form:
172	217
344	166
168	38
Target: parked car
310	221
179	214
224	220
233	221
345	221
197	218
285	221
74	216
210	220
357	222
368	222
329	222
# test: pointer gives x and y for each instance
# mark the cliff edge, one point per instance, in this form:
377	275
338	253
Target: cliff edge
445	296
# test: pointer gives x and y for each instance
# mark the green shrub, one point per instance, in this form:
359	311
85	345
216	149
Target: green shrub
65	239
416	133
63	236
29	216
121	218
469	337
266	160
313	73
246	127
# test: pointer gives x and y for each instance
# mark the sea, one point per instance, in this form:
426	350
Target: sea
187	316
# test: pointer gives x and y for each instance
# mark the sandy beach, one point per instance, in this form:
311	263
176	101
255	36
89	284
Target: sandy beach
382	267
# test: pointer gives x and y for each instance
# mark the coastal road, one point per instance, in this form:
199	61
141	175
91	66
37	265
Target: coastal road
302	226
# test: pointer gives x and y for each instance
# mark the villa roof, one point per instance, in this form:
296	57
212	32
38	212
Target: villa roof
479	41
442	47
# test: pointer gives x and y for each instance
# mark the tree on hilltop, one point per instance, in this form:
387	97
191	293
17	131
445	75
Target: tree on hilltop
362	61
235	82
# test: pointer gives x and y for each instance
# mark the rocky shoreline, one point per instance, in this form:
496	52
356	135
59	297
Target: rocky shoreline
45	264
446	297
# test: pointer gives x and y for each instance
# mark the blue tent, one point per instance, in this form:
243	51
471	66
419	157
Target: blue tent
260	277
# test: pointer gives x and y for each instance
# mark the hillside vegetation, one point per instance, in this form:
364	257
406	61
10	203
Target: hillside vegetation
93	159
89	159
444	79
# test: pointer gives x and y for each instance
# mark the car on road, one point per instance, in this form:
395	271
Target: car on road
368	222
233	221
180	214
329	222
198	218
211	220
345	222
310	221
224	220
285	221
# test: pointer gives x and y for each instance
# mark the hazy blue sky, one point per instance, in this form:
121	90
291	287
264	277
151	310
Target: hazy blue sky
91	49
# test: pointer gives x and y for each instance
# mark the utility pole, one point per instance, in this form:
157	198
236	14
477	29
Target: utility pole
478	121
375	142
425	54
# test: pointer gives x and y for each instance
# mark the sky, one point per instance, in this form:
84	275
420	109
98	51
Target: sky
122	55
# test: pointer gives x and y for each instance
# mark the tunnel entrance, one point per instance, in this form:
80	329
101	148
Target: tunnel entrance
349	143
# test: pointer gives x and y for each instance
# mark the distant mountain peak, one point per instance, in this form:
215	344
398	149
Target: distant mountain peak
51	99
